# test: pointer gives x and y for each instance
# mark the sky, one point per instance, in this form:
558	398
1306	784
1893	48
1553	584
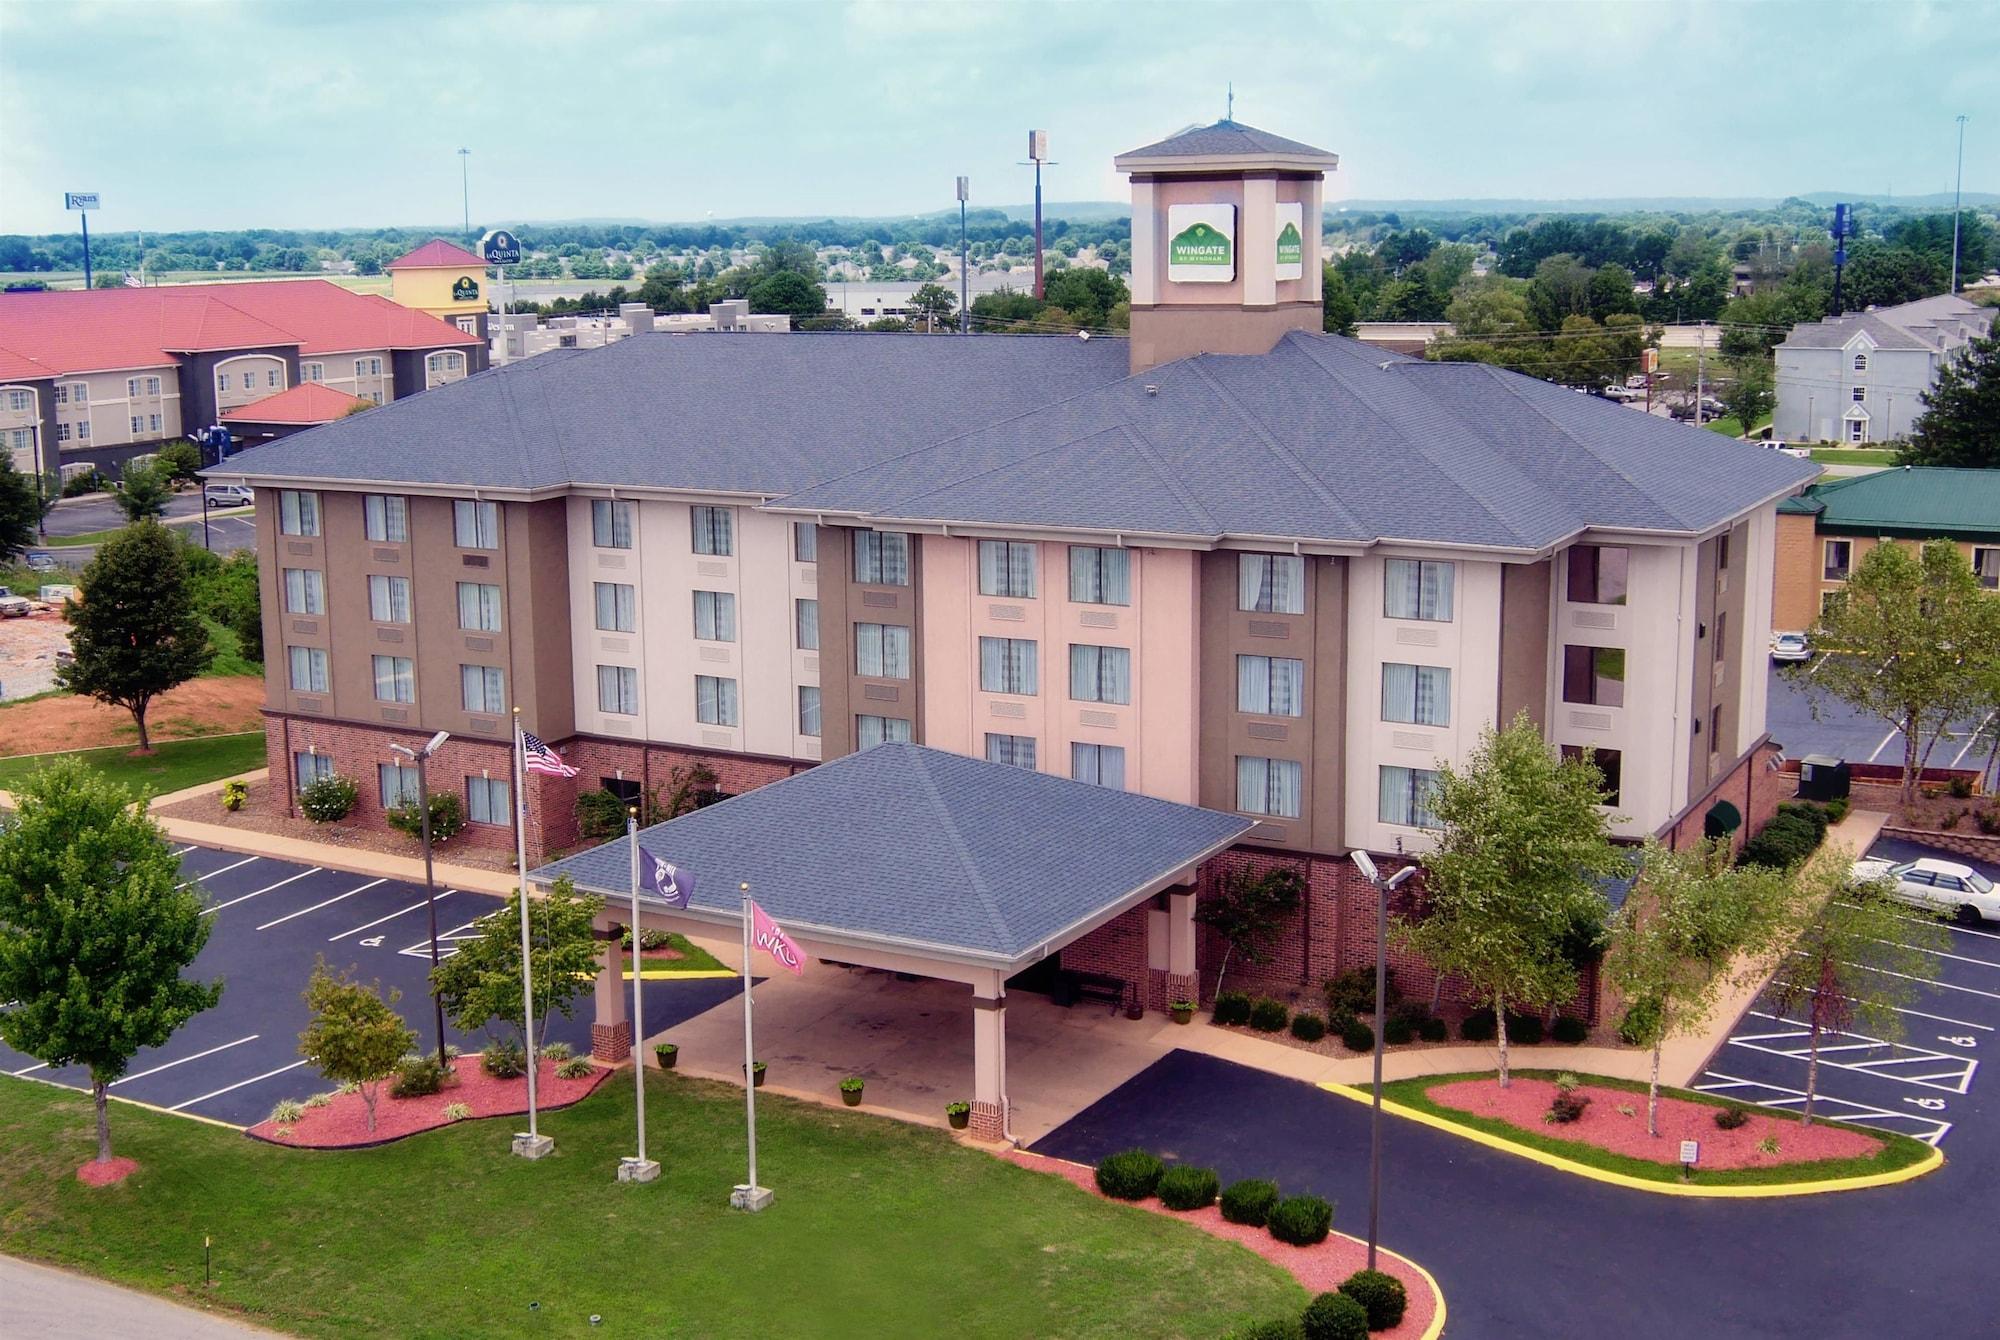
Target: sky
300	113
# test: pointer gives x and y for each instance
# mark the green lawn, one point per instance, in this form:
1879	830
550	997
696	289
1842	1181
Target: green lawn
171	766
693	958
1853	456
1900	1152
879	1229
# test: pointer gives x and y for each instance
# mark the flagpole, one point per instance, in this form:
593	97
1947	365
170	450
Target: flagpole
533	1144
750	1196
640	1169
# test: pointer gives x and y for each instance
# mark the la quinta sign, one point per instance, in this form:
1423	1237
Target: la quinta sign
1201	244
465	289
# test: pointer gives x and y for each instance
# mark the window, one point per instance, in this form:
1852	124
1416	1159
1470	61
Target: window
1100	674
20	402
1722	552
152	423
809	709
396	785
881	559
374	397
312	372
1406	797
1098	764
1860	394
80	392
1861	362
83	431
882	650
1597	574
440	366
610	524
1609	762
618	690
222	381
486	801
274	378
1839	559
1417	590
1986	566
715	701
1016	751
1270	686
715	616
1271	583
395	679
1269	786
617	607
805	619
1007	665
388	599
714	531
1100	576
387	518
469	324
1715	728
1721	633
305	591
138	425
871	730
475	525
805	542
132	388
298	513
1418	694
483	688
62	432
308	669
62	397
1594	675
310	768
152	386
479	607
1007	568
367	367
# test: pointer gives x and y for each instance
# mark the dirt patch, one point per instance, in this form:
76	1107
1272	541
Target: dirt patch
264	812
343	1123
108	1173
28	648
221	706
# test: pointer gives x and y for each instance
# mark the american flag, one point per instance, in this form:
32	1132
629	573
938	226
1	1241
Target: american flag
538	757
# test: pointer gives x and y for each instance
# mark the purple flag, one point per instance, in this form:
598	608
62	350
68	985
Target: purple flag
665	879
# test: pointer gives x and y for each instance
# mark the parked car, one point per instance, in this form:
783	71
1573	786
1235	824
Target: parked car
1790	647
229	495
1780	445
13	606
1623	393
1936	886
41	562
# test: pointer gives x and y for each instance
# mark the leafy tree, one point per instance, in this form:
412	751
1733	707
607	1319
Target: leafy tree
1086	293
96	927
20	510
1611	292
482	981
788	292
135	632
1749	393
1492	306
1960	424
177	460
1521	845
142	491
1247	911
1005	308
1338	312
932	305
1559	290
355	1037
1882	276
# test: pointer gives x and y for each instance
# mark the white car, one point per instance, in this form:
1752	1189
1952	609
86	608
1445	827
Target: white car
1790	647
1937	886
1623	393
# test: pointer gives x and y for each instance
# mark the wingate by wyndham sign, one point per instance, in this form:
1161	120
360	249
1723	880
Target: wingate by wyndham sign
1201	244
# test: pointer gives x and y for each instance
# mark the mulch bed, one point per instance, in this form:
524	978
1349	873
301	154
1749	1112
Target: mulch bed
264	812
1523	1104
343	1123
1320	1268
108	1173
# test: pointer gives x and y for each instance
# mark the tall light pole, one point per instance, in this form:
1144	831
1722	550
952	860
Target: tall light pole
1366	865
964	290
465	186
1957	197
420	757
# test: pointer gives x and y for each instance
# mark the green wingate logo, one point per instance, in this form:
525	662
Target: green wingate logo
1199	244
1291	248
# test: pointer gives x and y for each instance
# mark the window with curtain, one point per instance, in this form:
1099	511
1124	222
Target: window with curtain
486	801
1007	665
714	530
1016	751
882	650
881	558
1597	574
1271	583
396	785
715	701
1100	576
310	768
1271	686
1418	694
483	687
388	598
1594	675
618	690
1100	674
873	730
308	669
611	523
1610	765
806	623
805	542
1007	568
386	518
617	607
479	607
809	709
1269	786
1721	635
1413	589
395	679
305	591
1406	797
298	512
475	525
715	616
1098	764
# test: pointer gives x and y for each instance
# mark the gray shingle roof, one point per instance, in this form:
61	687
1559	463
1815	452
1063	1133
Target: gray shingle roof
1927	323
921	847
1223	139
1835	332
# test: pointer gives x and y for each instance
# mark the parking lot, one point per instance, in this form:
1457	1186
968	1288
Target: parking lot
1842	732
232	1063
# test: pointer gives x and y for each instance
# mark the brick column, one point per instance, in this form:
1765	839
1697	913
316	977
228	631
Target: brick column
610	1029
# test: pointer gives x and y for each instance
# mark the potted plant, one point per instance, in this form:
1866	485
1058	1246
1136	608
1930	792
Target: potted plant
1182	1010
667	1053
234	793
850	1091
757	1074
958	1114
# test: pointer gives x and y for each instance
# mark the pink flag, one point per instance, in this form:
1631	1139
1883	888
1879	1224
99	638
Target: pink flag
770	938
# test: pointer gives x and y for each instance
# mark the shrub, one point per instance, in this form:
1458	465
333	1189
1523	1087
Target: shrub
1959	787
1357	1036
1268	1015
1308	1027
575	1067
319	1100
416	1077
1789	838
1353	991
1567	1080
456	1111
179	459
1837	808
1132	1174
599	815
1768	1145
1278	1328
447	817
1249	1201
329	799
1566	1108
1640	1019
1185	1188
1380	1294
1301	1220
1401	1025
1232	1007
234	793
1815	817
504	1059
287	1111
1949	822
90	481
1334	1316
1525	1029
1432	1029
1731	1118
1988	822
557	1051
1479	1027
1570	1031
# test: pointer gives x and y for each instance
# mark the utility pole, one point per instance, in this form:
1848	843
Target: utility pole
964	284
1700	368
1038	154
1957	198
465	186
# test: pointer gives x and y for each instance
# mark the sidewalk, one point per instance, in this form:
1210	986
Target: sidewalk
45	1303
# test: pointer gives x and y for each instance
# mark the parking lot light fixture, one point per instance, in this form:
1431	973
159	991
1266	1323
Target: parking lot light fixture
420	757
1366	865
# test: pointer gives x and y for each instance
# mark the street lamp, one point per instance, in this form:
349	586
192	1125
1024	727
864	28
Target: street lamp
420	757
1366	865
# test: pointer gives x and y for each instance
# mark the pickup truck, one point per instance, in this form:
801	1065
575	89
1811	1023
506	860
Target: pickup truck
13	606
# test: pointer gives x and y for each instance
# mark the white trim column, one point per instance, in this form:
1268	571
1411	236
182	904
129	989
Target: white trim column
610	1027
989	1063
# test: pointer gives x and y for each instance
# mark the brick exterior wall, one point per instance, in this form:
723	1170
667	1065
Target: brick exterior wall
1753	786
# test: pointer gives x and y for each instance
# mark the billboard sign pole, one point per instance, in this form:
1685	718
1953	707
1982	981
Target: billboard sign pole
83	202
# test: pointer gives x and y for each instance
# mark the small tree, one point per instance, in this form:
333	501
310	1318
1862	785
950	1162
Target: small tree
1858	956
20	510
135	632
1521	847
482	981
96	927
447	817
179	460
1691	915
932	304
1960	424
142	491
1247	911
354	1037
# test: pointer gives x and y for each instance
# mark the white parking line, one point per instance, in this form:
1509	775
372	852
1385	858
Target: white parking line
1973	738
327	903
1940	986
1941	953
1955	1078
127	1079
391	917
266	889
231	1088
1893	733
1955	930
447	945
29	1069
1861	1113
225	869
182	851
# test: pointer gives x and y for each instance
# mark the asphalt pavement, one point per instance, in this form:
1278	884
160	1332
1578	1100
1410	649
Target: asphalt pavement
93	513
1805	722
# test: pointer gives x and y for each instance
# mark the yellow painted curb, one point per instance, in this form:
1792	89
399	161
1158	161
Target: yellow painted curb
669	975
1909	1174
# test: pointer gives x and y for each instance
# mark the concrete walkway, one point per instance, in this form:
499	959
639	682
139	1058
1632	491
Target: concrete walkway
44	1303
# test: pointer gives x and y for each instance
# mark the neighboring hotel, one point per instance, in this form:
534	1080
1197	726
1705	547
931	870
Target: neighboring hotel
1862	377
1232	561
